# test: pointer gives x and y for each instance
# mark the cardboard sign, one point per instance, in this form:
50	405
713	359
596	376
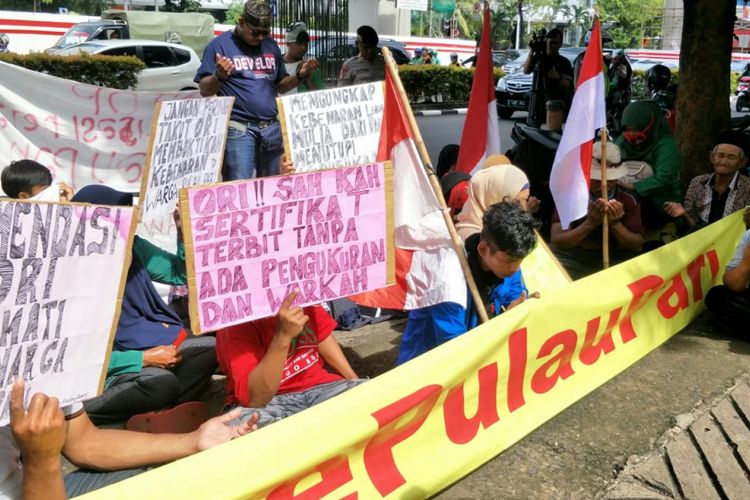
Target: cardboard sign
186	148
62	275
332	128
249	243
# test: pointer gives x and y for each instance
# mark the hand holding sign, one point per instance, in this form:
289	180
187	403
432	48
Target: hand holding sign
40	431
290	320
224	67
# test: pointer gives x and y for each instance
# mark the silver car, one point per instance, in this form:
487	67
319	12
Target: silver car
169	66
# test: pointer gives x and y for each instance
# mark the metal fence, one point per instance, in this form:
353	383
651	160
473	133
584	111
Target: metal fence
327	22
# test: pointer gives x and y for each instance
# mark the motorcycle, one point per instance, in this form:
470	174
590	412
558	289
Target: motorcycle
743	88
4	42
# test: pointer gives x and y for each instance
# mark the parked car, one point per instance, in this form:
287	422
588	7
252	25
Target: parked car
513	92
169	66
503	57
515	64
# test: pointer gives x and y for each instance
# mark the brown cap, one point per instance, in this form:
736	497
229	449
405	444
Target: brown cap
257	13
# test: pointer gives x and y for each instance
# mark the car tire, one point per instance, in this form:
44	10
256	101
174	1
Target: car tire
739	104
505	113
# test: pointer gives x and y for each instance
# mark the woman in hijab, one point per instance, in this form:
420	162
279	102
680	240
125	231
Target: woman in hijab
646	137
147	371
493	184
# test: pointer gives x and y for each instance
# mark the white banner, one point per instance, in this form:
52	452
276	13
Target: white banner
82	133
62	275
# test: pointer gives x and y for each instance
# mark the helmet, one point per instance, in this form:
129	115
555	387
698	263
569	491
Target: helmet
658	77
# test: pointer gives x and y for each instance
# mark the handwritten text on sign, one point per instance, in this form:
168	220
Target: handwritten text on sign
56	319
333	128
253	241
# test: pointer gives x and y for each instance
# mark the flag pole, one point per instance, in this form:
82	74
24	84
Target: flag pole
435	184
605	195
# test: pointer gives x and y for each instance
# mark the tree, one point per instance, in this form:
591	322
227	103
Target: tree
702	104
629	21
581	20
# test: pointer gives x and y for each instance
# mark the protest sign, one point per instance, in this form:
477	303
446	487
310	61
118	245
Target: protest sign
62	276
468	399
186	148
249	243
332	128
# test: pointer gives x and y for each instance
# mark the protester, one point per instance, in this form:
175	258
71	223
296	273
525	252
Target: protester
297	42
555	70
453	184
246	63
497	181
494	254
148	372
367	66
713	196
31	445
275	366
30	180
579	248
426	56
730	302
646	137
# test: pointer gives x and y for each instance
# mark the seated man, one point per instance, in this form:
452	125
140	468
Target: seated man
713	196
495	256
579	248
30	448
274	366
30	180
730	302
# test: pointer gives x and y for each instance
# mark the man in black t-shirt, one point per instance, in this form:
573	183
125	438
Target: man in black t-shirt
554	79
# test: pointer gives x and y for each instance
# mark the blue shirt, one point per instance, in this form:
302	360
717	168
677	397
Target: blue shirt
431	326
739	251
254	82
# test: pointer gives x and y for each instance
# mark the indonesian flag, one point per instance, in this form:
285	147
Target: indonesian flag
569	179
481	135
428	271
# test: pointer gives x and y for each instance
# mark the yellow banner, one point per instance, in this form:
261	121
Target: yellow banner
469	399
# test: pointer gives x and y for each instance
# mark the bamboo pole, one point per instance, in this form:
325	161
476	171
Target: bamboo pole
605	195
425	157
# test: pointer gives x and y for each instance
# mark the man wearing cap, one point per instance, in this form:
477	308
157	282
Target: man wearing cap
297	42
579	247
246	63
713	196
369	65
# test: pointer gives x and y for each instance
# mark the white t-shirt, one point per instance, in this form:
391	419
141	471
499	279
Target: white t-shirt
291	68
11	473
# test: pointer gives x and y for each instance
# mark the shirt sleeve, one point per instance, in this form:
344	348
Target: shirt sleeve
242	349
737	257
666	170
208	63
320	321
510	289
449	321
121	362
162	266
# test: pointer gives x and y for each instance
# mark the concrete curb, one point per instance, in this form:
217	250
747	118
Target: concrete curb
438	112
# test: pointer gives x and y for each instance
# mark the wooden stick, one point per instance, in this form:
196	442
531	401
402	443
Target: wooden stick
458	245
605	195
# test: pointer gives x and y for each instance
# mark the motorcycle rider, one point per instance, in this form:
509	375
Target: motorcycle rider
658	78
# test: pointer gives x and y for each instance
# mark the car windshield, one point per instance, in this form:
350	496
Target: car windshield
77	34
77	49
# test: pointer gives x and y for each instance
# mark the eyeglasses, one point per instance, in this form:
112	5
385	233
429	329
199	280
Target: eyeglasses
257	33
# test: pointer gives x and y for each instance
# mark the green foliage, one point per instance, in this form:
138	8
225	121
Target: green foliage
630	21
639	89
117	72
234	12
451	84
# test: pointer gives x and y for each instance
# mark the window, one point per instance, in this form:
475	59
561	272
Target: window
120	51
156	56
183	56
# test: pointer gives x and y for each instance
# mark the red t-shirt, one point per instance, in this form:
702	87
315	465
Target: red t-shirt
240	348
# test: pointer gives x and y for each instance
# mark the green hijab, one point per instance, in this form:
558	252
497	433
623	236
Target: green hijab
638	115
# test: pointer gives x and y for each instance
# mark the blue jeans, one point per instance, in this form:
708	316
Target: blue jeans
254	152
285	405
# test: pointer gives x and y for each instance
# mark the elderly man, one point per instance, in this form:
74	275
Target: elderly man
369	65
713	196
297	42
246	63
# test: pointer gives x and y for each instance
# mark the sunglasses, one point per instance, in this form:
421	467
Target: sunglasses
257	33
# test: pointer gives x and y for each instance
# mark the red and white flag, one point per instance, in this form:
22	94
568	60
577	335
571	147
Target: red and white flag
481	135
428	271
569	179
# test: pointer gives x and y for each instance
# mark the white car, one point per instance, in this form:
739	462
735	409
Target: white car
169	66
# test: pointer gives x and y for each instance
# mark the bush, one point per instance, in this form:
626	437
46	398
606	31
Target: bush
639	89
117	72
446	84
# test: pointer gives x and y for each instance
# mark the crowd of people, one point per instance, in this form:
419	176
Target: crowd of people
159	370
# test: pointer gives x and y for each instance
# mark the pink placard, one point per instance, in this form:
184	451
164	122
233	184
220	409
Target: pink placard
251	242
